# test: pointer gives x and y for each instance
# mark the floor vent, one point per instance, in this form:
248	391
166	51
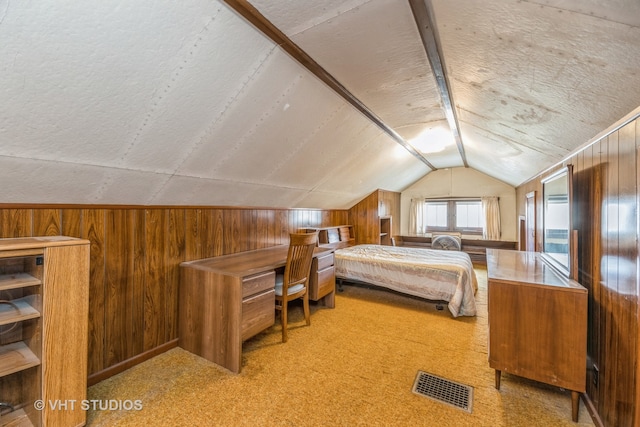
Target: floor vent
443	390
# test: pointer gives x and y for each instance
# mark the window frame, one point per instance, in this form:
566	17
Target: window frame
451	216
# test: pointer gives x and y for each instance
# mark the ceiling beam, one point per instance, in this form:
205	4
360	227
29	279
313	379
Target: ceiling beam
251	14
423	14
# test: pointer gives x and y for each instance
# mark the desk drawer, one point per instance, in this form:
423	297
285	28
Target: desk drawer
260	282
258	313
323	283
325	261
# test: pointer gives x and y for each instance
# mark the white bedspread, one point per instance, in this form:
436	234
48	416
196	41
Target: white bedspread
427	273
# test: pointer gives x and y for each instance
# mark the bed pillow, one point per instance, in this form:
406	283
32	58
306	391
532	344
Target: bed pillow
447	242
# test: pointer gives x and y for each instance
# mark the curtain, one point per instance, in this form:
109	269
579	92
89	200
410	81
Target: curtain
417	217
491	210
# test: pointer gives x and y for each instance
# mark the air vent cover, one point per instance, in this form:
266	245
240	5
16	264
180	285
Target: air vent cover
443	390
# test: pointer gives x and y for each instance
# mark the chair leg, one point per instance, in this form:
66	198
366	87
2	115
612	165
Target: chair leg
305	305
283	319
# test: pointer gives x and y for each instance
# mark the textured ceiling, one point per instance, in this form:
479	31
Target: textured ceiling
165	103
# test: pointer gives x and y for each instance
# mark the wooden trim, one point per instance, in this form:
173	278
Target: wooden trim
591	408
424	17
251	14
522	233
129	363
636	400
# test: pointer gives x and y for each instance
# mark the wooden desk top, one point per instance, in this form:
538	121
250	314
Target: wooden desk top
39	241
249	262
527	268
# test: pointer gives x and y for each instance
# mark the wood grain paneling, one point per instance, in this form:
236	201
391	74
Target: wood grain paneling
46	222
365	215
134	262
174	255
154	291
606	195
92	229
139	281
15	222
118	283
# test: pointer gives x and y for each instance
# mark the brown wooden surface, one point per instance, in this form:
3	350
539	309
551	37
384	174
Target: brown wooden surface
52	347
226	299
118	286
365	215
65	313
257	261
526	268
537	321
210	316
605	210
322	283
257	313
16	357
386	224
530	221
337	236
135	257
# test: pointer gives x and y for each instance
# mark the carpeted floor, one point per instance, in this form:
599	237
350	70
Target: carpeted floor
354	366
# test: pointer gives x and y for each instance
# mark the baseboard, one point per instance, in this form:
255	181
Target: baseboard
592	410
126	364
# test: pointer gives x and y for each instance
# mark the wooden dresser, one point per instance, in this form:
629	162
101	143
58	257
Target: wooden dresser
537	322
226	300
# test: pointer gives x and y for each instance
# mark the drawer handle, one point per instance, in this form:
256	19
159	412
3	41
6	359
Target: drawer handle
256	296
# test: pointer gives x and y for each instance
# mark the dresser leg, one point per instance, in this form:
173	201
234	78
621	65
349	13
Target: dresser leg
575	405
498	379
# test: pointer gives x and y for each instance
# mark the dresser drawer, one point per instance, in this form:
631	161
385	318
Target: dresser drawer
260	282
258	313
325	261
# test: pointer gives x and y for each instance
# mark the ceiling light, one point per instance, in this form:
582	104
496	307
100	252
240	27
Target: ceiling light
432	140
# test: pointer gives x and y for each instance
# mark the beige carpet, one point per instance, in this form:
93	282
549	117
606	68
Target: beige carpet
355	365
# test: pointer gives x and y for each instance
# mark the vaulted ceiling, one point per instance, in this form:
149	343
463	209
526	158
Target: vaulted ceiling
194	103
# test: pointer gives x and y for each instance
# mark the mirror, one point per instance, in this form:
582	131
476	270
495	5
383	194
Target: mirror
556	217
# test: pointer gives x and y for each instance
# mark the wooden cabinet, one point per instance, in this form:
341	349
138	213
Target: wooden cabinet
537	322
366	217
218	310
44	291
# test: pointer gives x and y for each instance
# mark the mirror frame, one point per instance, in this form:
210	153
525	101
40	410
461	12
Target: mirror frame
564	269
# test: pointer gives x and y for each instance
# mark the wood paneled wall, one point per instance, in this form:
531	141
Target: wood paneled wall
135	257
365	215
605	213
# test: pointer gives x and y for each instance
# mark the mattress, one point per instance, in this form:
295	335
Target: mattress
426	273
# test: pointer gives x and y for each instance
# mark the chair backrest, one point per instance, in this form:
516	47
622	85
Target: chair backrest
299	257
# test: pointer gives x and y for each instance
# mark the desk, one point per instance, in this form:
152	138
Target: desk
537	322
228	299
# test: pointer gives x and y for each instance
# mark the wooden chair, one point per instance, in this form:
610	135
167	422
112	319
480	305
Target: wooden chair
294	283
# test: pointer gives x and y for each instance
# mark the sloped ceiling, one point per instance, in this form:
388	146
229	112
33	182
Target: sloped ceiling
187	103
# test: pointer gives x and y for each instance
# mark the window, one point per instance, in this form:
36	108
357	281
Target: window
463	215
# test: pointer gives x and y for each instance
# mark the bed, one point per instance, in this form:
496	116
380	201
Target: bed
438	275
